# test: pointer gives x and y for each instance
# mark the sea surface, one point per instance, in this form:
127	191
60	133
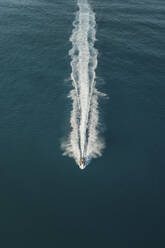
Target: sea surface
45	199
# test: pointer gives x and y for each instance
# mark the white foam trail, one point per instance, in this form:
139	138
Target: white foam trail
84	138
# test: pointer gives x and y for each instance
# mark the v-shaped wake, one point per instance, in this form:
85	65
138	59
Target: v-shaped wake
84	142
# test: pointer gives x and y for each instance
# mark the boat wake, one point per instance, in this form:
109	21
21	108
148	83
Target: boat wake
84	140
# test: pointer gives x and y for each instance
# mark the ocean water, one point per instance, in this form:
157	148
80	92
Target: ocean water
46	200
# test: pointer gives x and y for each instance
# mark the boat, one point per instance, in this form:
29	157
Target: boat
82	163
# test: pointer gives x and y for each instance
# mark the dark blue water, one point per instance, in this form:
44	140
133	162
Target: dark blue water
45	200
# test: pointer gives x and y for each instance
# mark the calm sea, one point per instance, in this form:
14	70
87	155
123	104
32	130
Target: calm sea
45	199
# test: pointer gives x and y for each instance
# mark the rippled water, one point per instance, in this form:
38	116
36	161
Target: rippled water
46	201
